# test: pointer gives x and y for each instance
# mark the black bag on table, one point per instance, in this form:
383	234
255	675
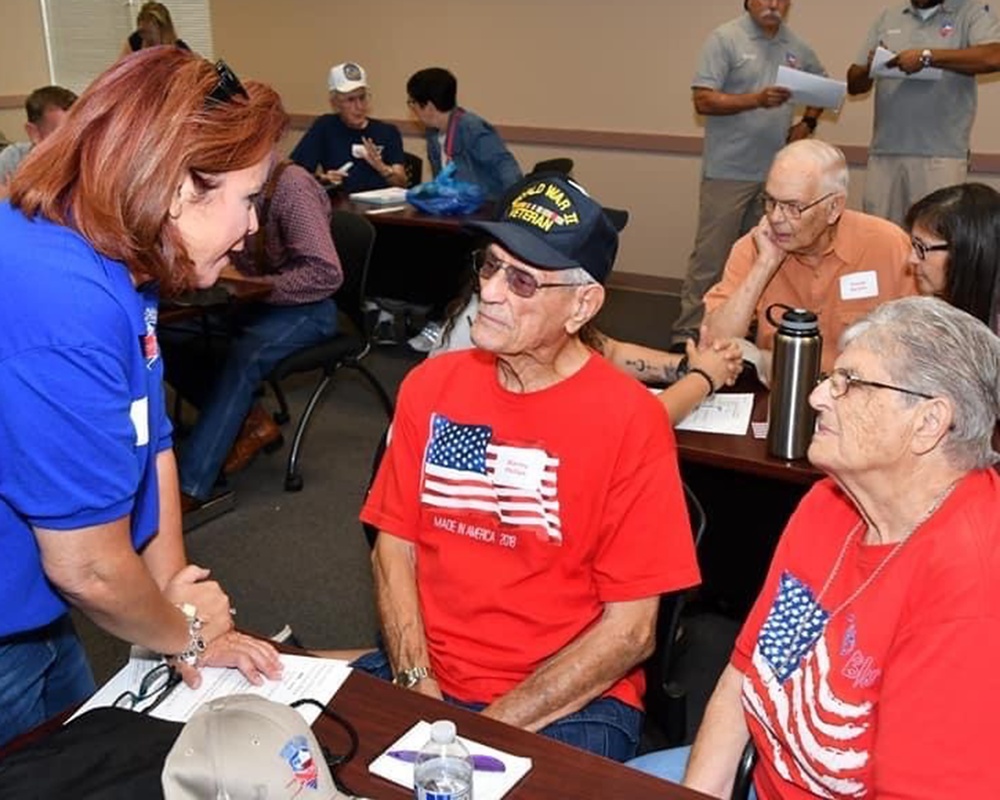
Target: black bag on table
105	754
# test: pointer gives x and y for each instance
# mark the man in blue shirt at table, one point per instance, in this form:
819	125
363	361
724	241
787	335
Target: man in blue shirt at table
456	135
348	148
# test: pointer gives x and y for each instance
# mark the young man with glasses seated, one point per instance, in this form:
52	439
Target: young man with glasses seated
809	251
349	149
529	505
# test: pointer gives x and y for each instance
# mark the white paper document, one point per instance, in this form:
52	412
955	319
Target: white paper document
485	785
812	90
880	70
720	413
304	676
393	195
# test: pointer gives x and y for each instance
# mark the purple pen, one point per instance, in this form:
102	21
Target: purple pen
479	762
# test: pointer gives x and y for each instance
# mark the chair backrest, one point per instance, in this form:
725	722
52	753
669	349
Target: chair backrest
664	699
354	238
560	165
414	167
744	772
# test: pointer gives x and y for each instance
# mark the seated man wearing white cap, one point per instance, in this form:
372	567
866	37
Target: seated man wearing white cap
529	504
348	148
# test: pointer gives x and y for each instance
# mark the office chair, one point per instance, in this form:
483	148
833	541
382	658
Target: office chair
354	237
744	773
414	167
563	166
666	699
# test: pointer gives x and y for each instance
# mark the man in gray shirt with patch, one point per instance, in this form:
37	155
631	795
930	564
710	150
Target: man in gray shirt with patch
747	120
921	133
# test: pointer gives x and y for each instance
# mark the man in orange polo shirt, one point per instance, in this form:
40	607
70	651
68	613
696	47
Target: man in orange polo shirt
809	251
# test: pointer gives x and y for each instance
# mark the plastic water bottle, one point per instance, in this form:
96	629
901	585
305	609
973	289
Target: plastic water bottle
443	769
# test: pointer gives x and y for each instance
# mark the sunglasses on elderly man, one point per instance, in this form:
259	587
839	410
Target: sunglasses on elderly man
228	85
519	281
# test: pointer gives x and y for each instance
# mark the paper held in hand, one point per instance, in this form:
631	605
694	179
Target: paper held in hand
811	90
486	785
880	70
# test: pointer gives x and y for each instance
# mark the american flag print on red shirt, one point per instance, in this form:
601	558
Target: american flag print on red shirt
815	738
465	468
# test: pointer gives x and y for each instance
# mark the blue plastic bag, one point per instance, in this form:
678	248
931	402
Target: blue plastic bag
445	196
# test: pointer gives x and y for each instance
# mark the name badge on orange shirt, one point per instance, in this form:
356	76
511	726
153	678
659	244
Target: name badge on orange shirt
859	285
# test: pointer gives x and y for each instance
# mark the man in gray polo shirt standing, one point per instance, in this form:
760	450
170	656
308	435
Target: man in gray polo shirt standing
921	133
747	120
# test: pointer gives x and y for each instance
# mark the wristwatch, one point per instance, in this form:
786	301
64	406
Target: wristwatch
925	58
408	678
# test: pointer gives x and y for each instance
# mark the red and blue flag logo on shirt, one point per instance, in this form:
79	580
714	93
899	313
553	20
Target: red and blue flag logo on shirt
148	342
792	60
467	468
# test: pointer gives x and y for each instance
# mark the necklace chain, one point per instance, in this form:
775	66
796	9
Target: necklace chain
938	502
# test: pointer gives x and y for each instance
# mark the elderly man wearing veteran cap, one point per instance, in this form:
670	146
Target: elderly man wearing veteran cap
529	504
348	148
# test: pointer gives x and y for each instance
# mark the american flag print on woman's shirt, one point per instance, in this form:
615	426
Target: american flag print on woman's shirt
788	691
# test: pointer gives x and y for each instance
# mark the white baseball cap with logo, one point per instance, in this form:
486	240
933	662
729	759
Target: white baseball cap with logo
246	746
347	77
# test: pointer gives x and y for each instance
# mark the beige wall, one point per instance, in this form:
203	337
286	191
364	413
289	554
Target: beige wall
570	64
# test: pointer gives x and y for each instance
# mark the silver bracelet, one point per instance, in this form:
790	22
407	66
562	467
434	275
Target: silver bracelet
196	644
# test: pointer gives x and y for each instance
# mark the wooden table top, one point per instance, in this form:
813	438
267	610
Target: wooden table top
409	216
381	713
744	453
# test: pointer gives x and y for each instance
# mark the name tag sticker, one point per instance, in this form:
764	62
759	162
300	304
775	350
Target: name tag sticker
139	413
859	285
520	467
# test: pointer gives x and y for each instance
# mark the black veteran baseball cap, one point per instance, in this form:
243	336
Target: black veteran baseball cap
552	223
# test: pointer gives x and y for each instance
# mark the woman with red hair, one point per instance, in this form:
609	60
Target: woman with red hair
146	187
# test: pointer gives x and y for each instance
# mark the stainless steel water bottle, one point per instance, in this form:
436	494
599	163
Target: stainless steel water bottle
798	348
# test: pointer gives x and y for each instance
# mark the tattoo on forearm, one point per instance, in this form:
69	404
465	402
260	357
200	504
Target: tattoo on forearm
669	373
637	364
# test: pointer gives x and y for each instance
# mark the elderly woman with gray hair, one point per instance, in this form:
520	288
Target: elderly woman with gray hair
870	663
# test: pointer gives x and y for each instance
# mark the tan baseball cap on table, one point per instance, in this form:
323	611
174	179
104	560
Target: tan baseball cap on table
244	746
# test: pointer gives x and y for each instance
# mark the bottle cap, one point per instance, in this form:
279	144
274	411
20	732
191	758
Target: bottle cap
800	320
443	731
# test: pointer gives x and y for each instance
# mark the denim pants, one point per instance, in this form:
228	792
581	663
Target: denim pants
669	765
267	335
42	672
605	726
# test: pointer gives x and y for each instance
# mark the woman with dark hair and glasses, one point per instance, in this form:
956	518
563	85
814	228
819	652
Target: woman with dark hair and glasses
955	234
146	187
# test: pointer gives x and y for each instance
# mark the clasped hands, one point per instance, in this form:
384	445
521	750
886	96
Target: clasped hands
722	359
225	646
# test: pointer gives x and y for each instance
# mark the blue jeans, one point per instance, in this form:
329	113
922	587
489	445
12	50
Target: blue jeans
669	765
268	334
605	726
42	672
